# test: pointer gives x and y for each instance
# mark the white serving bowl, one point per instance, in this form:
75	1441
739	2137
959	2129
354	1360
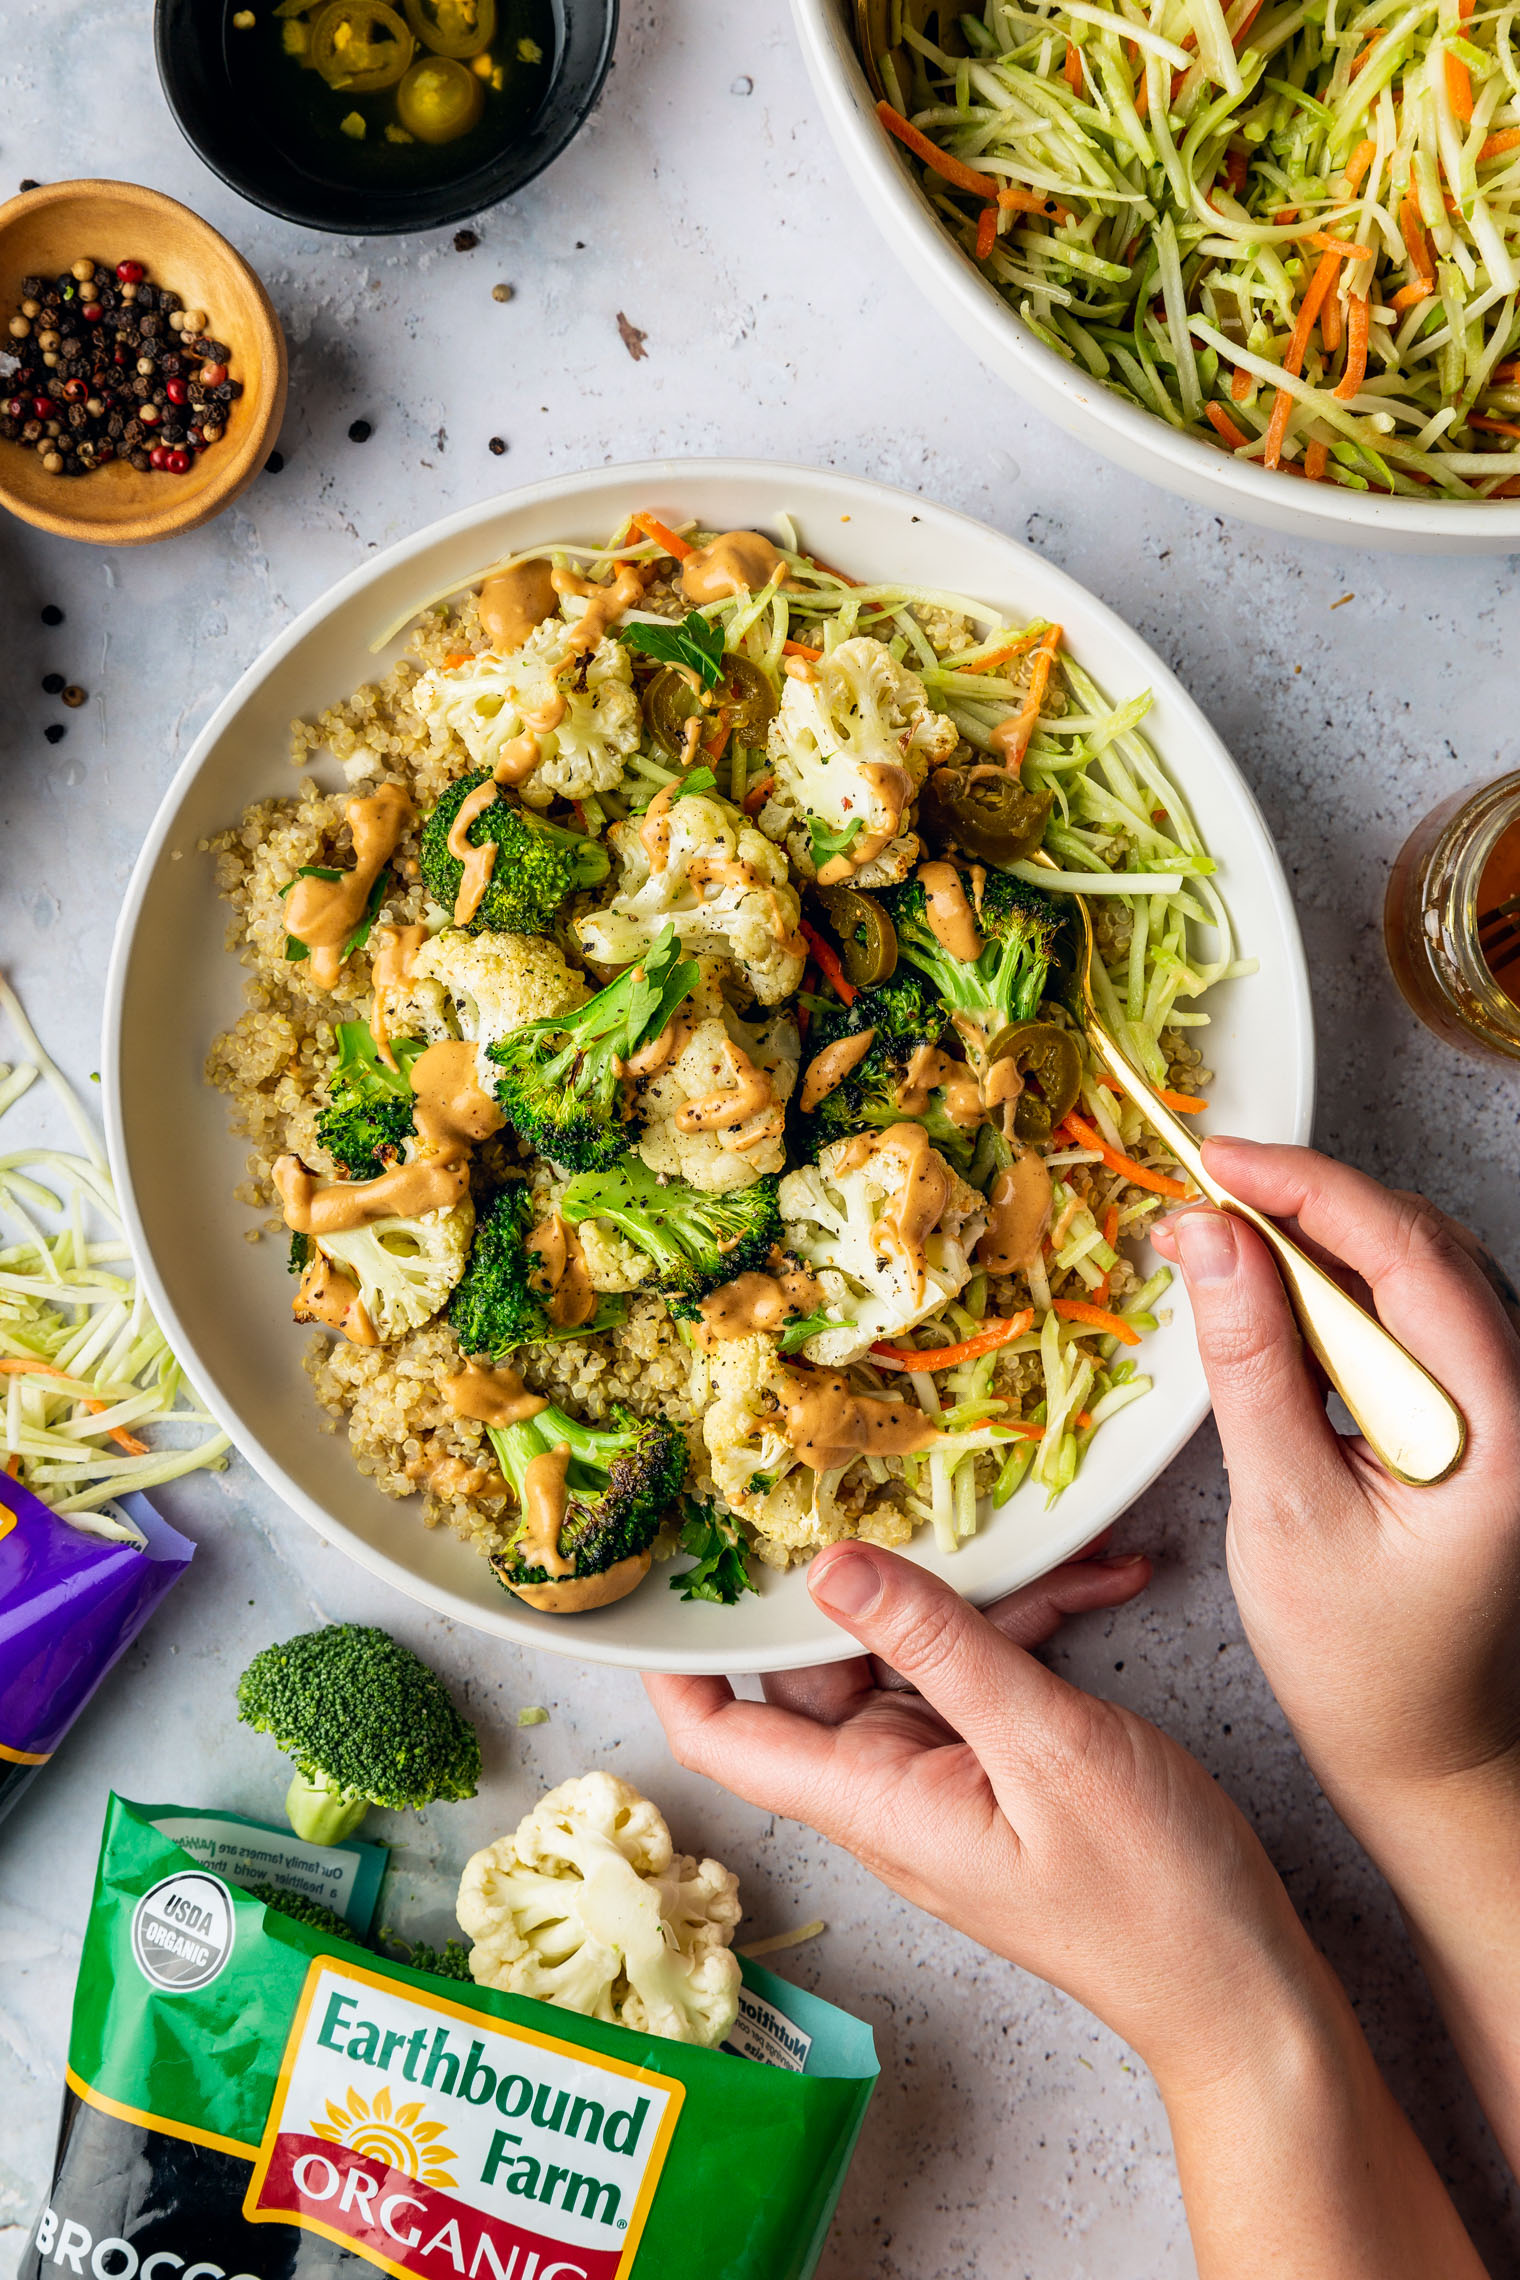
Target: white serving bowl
887	180
225	1303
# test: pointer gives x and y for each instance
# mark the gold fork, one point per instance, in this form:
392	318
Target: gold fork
1407	1418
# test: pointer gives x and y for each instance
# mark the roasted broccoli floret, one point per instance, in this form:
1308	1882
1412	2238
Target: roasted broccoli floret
905	1015
369	1104
695	1240
1020	931
304	1911
538	866
366	1722
500	1302
561	1080
621	1481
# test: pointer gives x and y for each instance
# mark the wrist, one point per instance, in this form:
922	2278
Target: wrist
1274	2022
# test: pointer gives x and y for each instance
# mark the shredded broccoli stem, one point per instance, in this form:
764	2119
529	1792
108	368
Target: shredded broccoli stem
1209	162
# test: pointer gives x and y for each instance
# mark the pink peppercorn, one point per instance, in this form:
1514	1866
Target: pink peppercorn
178	462
175	390
130	272
212	375
159	455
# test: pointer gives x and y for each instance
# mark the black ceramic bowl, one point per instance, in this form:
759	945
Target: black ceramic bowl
191	43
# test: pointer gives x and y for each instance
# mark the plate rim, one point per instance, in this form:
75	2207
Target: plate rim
588	1643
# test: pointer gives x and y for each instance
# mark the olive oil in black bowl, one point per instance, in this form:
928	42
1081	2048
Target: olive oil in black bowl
374	117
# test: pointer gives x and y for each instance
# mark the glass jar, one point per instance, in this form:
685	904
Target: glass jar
1452	874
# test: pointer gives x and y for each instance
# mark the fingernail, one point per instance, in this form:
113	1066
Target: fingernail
1123	1559
849	1585
1206	1241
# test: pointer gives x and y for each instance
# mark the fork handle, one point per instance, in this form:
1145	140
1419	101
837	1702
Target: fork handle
1410	1421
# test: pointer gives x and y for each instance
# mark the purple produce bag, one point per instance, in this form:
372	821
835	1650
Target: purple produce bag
70	1604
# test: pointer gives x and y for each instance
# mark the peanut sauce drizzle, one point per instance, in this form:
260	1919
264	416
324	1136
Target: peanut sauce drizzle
544	1501
393	956
452	1110
1018	1213
828	1069
578	1594
739	562
893	786
491	1396
561	1273
665	1046
758	1302
448	1475
479	862
950	917
919	1195
1002	1087
827	1422
323	913
405	1191
515	601
327	1294
929	1068
726	1111
603	603
654	831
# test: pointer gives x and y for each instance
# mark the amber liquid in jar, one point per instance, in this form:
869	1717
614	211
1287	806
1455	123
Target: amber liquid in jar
1455	954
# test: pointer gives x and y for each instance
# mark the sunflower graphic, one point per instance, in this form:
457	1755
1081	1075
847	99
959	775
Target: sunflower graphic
400	2136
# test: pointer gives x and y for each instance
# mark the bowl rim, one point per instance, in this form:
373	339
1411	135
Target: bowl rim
450	206
1122	431
245	461
523	1627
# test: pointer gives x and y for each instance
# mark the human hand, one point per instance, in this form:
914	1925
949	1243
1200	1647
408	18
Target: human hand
1386	1618
1063	1832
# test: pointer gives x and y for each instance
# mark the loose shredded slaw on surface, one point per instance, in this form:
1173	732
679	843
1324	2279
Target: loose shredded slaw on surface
1291	231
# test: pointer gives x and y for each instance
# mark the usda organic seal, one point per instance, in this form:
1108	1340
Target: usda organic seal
182	1931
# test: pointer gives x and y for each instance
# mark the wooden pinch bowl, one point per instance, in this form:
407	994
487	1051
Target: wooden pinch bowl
43	232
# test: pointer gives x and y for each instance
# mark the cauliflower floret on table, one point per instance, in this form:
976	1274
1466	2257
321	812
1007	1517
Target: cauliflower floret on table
721	884
587	1905
495	982
715	1115
586	701
405	1268
864	1231
850	745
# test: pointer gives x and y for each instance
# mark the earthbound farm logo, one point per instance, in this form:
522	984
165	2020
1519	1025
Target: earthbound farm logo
444	2145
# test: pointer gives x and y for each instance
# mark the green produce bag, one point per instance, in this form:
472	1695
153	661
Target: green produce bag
249	2099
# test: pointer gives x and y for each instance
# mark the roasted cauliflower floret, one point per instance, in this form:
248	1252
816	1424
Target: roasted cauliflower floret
496	982
698	865
587	1905
889	1239
850	745
580	709
715	1113
405	1268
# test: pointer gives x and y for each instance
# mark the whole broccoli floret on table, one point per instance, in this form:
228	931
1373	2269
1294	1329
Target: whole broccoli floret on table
1020	929
696	1240
561	1080
366	1722
498	1304
538	866
621	1480
369	1105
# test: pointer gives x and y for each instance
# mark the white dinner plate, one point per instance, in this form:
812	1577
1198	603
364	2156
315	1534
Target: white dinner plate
225	1302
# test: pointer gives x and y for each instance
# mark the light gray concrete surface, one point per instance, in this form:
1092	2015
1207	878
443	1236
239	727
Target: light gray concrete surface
1011	2139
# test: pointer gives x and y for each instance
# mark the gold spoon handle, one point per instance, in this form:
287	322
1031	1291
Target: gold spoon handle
1411	1422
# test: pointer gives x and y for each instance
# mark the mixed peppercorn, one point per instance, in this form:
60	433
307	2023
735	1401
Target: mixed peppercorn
112	366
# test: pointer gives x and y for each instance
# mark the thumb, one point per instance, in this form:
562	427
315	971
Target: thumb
980	1683
1272	1422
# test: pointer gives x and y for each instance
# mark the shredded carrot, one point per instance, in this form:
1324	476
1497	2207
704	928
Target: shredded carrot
1240	384
1409	296
1014	741
1237	165
457	657
1293	361
1246	21
1357	164
1506	490
1186	1104
946	1357
1285	214
1341	246
830	572
1097	1318
717	744
1508	138
1220	419
675	546
986	232
13	1465
19	1367
1017	201
1330	326
1142	93
1316	460
1495	427
953	169
1358	327
801	649
1458	86
1365	56
1073	67
1416	243
1081	1134
999	656
1111	1237
828	960
1505	375
1062	1227
757	795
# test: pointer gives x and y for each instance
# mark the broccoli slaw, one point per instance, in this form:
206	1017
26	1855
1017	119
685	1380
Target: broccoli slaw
1292	231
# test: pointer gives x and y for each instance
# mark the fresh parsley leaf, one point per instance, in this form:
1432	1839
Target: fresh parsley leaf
697	641
795	1334
722	1570
700	780
827	843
